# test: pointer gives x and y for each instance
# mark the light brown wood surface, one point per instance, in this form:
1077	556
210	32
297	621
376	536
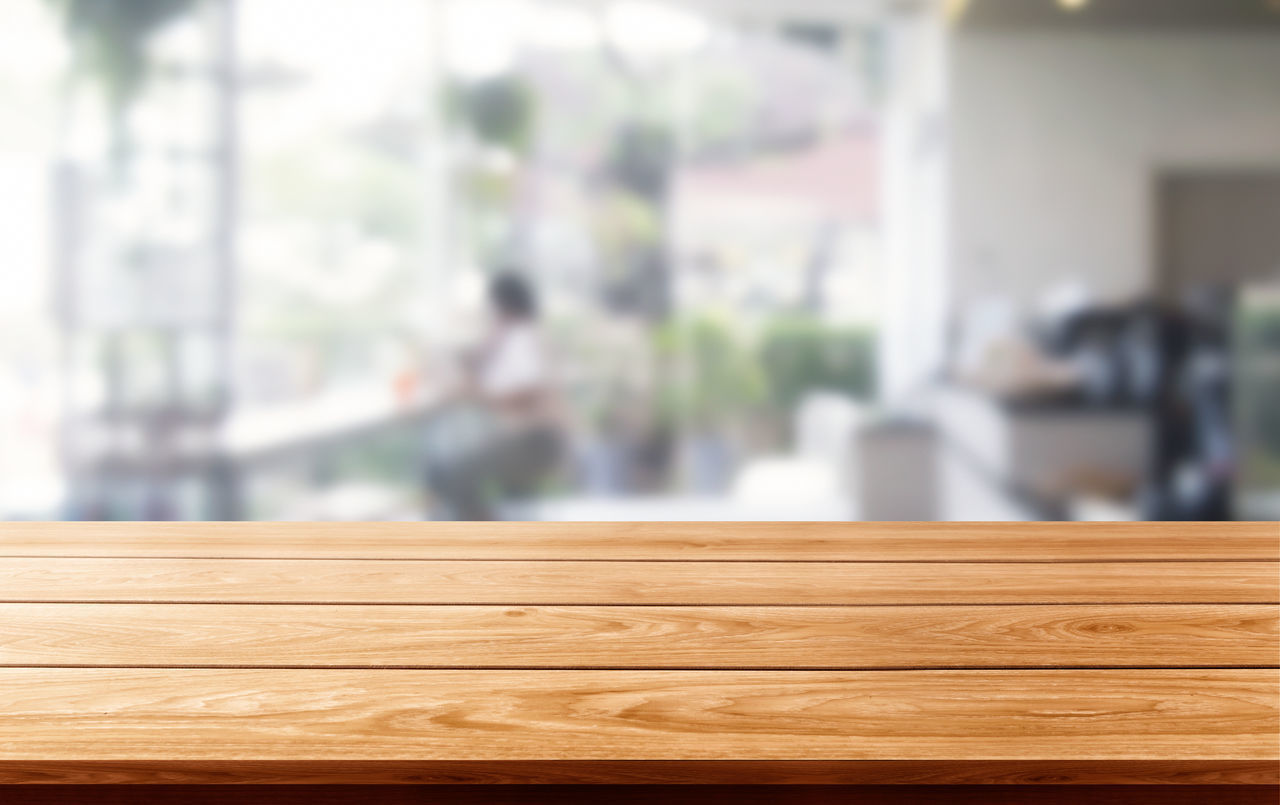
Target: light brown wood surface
638	637
667	652
314	714
338	581
773	542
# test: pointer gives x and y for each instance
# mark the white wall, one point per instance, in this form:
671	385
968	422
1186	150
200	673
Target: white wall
1056	139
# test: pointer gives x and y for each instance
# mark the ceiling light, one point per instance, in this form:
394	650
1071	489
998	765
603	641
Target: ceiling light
953	10
1072	5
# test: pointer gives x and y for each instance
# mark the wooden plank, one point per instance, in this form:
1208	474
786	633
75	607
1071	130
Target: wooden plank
639	795
1165	635
53	718
675	583
935	542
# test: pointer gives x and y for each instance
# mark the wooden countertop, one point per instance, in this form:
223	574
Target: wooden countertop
664	652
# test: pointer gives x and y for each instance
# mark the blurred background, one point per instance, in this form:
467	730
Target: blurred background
634	260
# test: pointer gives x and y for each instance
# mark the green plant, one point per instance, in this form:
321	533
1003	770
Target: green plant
1258	328
1257	367
498	111
800	354
707	371
110	38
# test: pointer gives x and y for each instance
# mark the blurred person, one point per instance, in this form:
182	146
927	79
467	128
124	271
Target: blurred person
503	436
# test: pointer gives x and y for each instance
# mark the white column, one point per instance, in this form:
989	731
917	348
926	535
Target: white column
914	205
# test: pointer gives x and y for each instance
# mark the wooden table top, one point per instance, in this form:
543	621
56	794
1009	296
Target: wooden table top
663	652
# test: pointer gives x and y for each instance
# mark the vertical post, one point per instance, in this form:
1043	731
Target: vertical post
914	193
223	235
437	253
226	192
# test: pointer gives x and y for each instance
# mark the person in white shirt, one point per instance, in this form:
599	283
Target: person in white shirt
517	435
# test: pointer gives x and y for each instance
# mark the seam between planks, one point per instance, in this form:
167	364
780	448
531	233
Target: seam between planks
643	668
707	560
602	604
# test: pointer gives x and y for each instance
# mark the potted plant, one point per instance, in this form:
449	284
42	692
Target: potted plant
709	382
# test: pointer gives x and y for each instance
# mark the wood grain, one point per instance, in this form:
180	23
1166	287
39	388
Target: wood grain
891	542
637	637
62	715
675	583
565	653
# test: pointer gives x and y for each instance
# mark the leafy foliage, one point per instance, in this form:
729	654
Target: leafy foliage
800	354
1258	343
709	371
499	111
110	38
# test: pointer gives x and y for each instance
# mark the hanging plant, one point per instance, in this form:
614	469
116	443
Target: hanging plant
110	40
499	111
